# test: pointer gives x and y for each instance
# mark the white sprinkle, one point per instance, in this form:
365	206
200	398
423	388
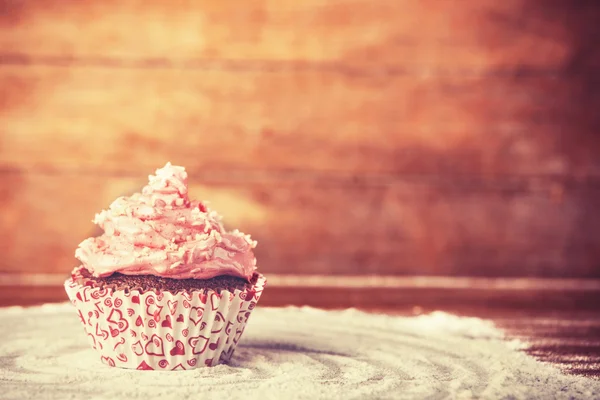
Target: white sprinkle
216	235
181	219
160	268
179	201
176	264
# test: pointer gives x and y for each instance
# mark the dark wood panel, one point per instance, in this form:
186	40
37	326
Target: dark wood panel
304	227
125	120
432	35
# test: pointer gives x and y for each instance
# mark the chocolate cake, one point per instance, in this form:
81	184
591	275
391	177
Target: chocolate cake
143	283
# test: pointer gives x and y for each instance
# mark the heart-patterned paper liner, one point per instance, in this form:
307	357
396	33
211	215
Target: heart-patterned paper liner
163	330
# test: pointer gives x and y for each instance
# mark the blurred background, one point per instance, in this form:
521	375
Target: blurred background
359	137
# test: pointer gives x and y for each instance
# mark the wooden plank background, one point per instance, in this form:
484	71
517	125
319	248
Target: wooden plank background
349	137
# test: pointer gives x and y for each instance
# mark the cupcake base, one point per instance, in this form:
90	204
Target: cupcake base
159	329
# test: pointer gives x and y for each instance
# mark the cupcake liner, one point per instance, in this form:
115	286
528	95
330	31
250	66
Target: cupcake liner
163	330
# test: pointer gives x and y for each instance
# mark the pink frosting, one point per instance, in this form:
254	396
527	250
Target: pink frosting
161	232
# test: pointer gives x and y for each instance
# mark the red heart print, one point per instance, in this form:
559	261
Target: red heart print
228	328
163	363
167	322
144	366
185	332
202	297
186	304
238	335
92	340
108	360
122	357
130	311
132	332
150	300
101	332
178	367
215	299
169	337
119	343
152	308
192	362
139	321
249	295
114	332
156	316
198	344
154	347
202	326
243	316
98	293
116	317
78	295
214	346
144	337
180	318
178	350
208	362
160	296
196	314
172	306
137	348
218	323
135	299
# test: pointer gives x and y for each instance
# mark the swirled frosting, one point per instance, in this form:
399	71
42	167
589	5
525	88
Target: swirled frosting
161	232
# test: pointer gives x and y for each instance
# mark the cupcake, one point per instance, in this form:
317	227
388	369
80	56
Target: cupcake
165	287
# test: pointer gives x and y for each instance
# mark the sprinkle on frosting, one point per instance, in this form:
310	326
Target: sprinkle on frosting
161	232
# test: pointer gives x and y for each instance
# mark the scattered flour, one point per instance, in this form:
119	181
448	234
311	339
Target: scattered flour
290	353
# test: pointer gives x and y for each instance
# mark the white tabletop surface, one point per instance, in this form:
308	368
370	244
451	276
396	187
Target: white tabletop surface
289	353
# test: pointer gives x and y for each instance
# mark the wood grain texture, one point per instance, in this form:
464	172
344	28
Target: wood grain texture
304	227
432	35
126	120
350	137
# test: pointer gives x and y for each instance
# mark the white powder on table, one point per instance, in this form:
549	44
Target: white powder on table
290	353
